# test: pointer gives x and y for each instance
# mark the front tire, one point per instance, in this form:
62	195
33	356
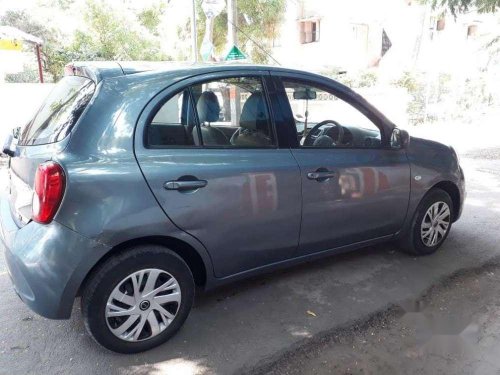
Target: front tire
138	299
431	224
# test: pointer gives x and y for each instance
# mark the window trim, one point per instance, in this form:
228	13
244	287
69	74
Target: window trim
343	93
199	81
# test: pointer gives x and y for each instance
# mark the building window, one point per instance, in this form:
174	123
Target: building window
309	31
471	31
440	24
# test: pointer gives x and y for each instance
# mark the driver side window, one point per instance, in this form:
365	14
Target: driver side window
323	120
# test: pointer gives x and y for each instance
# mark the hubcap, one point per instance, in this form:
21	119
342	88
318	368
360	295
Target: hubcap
143	304
435	224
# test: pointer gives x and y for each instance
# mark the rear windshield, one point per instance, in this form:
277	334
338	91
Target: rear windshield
59	112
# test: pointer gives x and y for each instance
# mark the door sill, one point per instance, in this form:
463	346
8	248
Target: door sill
296	260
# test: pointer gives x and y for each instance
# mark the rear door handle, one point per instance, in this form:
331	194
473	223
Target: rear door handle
320	175
185	185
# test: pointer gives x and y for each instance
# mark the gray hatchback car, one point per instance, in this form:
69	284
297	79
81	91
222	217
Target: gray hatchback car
130	188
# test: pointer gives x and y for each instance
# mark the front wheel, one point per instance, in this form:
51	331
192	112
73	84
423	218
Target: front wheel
138	299
431	224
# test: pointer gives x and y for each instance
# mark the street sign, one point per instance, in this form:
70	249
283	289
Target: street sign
386	43
11	44
212	8
235	54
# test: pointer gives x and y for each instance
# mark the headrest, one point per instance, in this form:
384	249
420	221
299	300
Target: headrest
254	113
208	107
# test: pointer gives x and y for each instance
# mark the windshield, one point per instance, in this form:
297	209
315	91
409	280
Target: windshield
59	112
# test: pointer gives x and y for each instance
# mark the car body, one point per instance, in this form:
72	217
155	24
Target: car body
257	208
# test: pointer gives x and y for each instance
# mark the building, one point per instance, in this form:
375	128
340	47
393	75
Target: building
391	35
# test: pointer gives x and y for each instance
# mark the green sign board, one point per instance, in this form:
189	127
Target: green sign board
235	54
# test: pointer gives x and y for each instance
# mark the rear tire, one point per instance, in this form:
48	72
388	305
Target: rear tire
118	294
431	224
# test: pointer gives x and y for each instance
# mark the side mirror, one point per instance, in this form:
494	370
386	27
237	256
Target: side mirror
8	146
400	138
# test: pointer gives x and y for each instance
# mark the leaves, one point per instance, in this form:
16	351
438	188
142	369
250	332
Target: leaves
463	6
108	33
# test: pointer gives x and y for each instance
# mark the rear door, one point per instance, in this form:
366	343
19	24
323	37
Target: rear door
44	136
355	187
208	149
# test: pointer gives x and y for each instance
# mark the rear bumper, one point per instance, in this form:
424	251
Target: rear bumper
47	263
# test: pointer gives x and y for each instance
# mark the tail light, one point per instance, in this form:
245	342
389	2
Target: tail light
49	190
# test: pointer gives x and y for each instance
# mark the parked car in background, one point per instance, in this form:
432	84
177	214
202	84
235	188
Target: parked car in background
129	188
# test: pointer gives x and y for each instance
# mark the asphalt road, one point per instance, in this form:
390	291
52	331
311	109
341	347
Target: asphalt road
249	325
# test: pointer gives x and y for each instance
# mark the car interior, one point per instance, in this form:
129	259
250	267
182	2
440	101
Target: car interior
175	123
323	120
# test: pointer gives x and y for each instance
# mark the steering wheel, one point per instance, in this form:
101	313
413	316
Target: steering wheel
311	136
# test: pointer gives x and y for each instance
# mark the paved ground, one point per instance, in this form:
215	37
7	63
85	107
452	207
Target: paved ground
253	326
452	329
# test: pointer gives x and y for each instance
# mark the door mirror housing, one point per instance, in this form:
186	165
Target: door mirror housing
9	147
400	138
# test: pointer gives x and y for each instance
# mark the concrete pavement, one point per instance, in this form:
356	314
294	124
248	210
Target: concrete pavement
250	323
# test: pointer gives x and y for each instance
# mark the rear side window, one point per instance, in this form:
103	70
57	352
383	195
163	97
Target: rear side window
60	111
174	124
224	113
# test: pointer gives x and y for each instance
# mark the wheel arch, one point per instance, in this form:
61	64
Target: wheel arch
188	253
453	191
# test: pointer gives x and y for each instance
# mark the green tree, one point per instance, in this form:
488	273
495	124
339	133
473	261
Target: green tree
150	17
258	22
51	50
109	35
462	6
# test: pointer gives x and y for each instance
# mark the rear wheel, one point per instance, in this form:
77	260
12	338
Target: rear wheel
431	224
138	300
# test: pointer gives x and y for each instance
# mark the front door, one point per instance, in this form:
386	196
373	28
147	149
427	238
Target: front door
211	158
354	186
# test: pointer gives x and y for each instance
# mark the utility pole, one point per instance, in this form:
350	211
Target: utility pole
39	61
194	33
232	40
232	20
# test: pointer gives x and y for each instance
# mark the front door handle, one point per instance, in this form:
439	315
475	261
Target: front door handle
185	185
320	175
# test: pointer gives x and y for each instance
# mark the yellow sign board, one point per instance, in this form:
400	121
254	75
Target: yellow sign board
11	44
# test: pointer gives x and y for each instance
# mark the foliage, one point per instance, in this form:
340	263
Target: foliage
23	21
28	75
463	6
257	20
51	41
150	17
111	36
355	79
414	83
445	97
108	35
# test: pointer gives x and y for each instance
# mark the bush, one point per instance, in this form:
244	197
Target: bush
356	79
28	75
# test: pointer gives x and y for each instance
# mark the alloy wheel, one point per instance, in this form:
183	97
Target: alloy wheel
143	305
435	224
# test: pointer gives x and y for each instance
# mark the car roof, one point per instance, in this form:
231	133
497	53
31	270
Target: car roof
99	70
